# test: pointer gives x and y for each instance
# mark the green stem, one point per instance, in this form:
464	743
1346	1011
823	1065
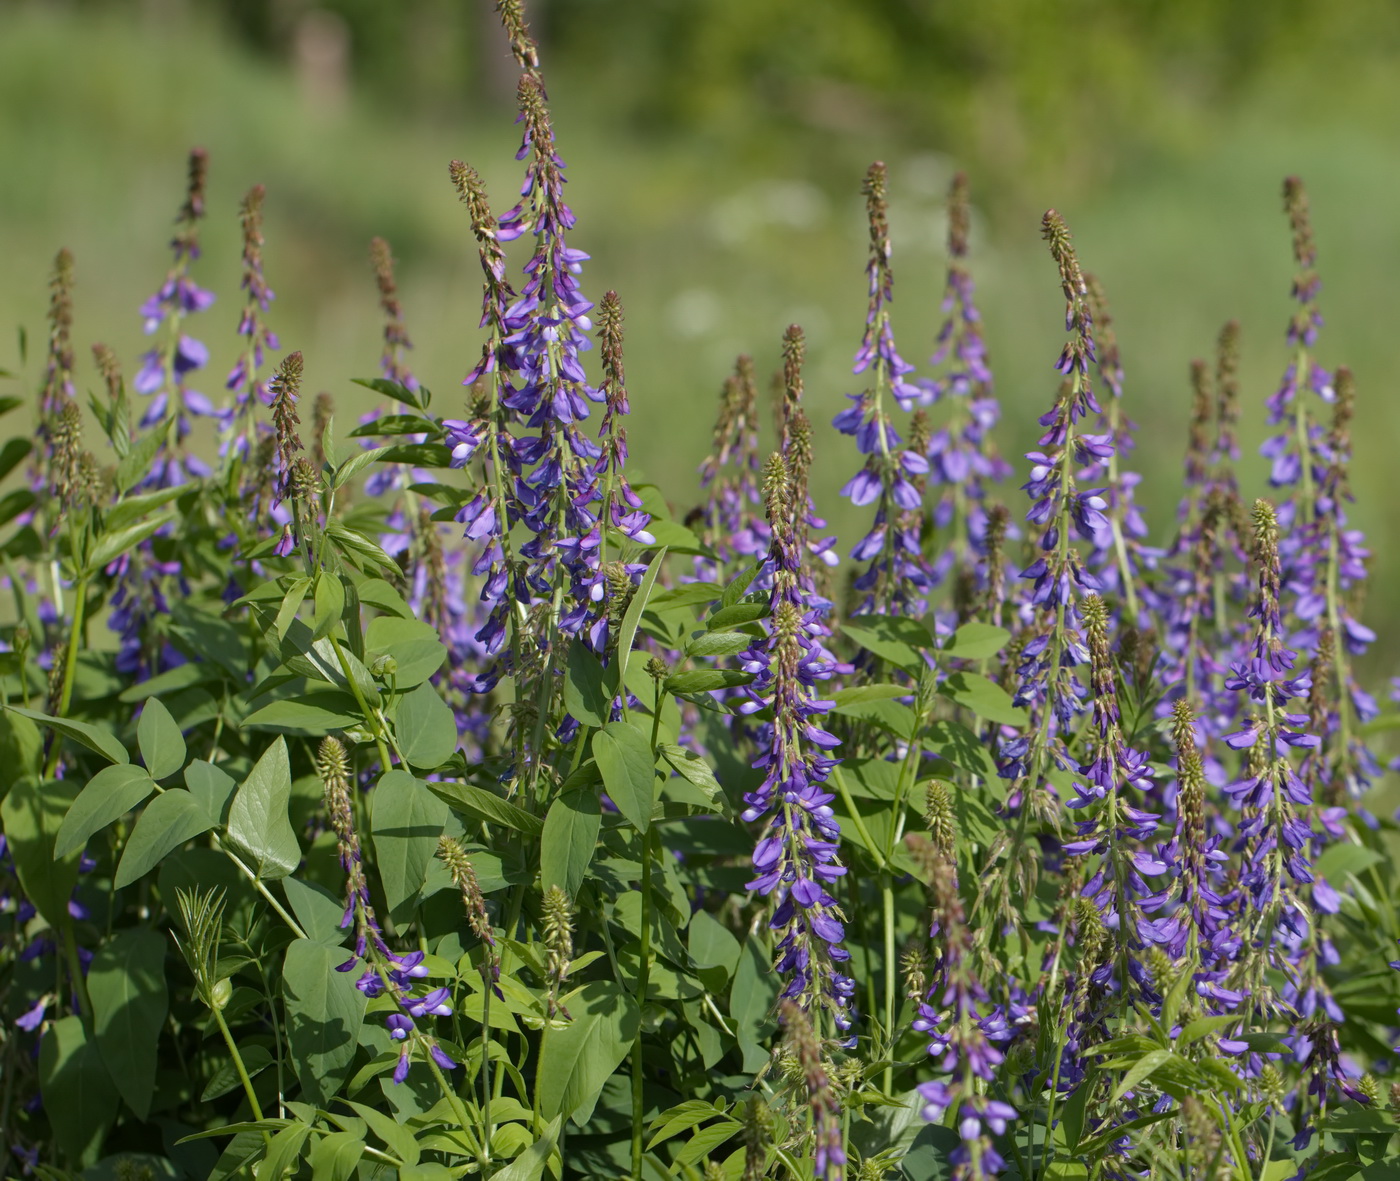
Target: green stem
371	717
70	664
891	973
643	980
75	969
455	1102
242	1072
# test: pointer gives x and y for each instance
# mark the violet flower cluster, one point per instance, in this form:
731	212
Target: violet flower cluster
795	861
961	453
383	970
167	367
896	577
961	1039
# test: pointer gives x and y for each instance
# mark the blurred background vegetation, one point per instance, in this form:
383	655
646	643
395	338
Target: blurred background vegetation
716	149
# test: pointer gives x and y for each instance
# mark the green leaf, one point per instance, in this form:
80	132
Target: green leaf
172	681
329	604
167	822
414	645
21	748
129	1002
376	593
162	744
357	463
740	584
961	747
390	389
570	836
15	502
111	793
407	819
399	1139
896	638
585	694
131	509
212	787
258	821
976	641
485	805
315	713
324	1014
736	615
31	816
255	1060
859	694
1339	860
114	544
706	680
1141	1070
92	737
692	594
336	1157
317	910
529	1165
135	465
751	999
627	631
984	698
1193	1031
712	944
425	727
396	424
282	1153
706	1140
718	644
691	767
79	1098
12	454
578	1059
628	767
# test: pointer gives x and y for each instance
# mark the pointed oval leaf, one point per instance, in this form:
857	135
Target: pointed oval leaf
324	1014
258	819
79	1098
167	822
579	1059
627	765
111	793
425	727
129	1000
162	744
92	737
407	819
570	837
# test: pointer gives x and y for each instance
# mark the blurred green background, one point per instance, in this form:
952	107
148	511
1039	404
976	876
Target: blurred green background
716	149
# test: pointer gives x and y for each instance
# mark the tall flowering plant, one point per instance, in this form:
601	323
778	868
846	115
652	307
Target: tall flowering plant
425	799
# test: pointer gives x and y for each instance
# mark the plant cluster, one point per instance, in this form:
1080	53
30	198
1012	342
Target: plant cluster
442	803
